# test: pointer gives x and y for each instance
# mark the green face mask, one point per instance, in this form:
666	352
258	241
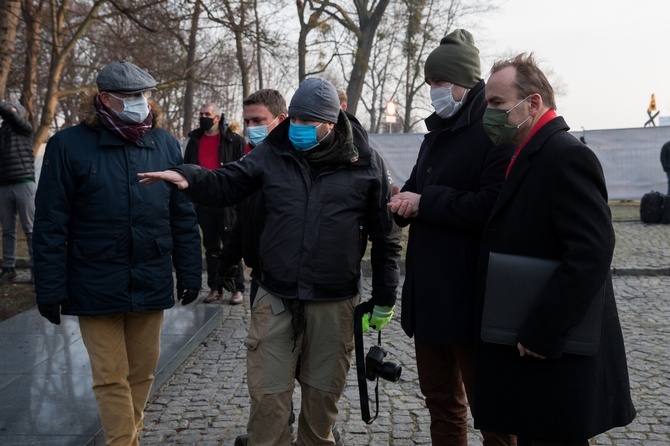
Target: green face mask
495	124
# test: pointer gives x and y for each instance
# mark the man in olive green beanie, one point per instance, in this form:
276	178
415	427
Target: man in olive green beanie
446	203
455	60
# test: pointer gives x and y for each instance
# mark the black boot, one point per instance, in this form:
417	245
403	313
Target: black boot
7	275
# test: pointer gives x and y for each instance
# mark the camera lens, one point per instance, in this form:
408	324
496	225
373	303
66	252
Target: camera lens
389	371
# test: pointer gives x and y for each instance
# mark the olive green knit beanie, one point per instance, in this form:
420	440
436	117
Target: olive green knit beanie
456	60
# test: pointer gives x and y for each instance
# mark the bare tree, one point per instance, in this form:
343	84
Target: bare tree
363	24
32	13
427	22
307	25
383	80
64	37
191	69
9	23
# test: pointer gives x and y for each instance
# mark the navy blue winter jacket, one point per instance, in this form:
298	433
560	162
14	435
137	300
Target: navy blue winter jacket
103	242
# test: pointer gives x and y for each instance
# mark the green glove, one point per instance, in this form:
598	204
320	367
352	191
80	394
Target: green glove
379	317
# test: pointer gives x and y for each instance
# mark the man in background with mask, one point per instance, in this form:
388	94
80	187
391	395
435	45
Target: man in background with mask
105	246
325	195
262	111
553	205
211	146
446	203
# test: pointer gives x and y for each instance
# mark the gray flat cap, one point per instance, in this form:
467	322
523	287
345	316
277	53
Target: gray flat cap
124	77
316	100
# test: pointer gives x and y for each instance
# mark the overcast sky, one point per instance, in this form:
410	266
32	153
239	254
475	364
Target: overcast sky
606	56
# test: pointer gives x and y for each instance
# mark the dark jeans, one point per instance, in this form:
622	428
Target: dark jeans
446	376
214	236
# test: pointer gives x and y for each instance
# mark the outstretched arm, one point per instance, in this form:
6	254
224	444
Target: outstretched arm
166	175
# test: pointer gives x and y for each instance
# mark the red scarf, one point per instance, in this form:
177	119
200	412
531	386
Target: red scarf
131	132
546	117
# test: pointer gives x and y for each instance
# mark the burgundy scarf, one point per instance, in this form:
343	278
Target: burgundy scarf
131	132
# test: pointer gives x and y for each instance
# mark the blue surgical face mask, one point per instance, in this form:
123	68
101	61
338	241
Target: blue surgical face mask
258	133
135	109
303	136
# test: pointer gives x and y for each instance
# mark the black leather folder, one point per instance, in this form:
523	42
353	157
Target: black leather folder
513	285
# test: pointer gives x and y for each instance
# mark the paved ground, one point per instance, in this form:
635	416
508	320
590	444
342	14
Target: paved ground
206	401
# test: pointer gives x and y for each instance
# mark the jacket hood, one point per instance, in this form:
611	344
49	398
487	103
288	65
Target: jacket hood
89	114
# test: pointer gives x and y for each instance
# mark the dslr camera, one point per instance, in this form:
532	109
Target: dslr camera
376	367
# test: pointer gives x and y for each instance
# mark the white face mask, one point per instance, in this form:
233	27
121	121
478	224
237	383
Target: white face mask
135	110
443	101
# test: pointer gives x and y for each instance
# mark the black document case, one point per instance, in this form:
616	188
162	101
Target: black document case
513	284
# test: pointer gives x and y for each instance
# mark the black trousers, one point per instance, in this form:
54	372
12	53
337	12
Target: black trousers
214	235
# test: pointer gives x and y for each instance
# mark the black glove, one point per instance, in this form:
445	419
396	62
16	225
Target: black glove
186	296
51	312
225	277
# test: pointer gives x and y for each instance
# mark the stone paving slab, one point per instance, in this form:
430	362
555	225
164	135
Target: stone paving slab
206	403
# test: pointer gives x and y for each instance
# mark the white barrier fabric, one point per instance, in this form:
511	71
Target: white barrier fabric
630	157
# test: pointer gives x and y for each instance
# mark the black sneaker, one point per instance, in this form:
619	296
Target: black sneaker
241	440
7	275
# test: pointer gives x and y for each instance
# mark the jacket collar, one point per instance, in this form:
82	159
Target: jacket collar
278	138
525	160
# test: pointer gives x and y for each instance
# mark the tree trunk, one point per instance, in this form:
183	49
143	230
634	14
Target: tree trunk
191	66
369	22
9	22
32	17
59	53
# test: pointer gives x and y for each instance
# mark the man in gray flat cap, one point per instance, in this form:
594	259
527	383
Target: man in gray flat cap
105	246
325	194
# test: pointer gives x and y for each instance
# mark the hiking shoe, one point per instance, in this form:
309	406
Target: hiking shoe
236	298
213	296
336	436
7	275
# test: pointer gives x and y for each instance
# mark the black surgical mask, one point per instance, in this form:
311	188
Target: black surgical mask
206	123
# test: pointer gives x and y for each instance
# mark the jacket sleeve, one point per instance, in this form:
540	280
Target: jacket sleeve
227	185
19	123
385	237
52	218
467	209
191	152
186	254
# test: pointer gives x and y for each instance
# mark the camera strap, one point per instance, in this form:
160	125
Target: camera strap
360	367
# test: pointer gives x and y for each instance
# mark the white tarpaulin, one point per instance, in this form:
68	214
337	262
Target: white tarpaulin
630	157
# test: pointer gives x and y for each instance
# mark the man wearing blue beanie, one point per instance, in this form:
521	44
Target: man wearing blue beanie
325	194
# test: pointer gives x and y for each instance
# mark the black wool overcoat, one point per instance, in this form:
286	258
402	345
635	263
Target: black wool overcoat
554	205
